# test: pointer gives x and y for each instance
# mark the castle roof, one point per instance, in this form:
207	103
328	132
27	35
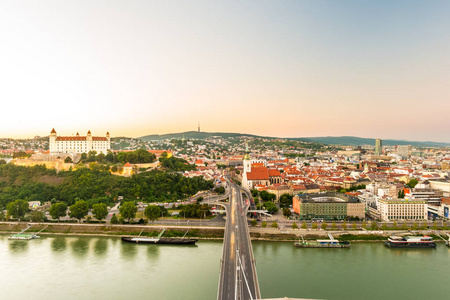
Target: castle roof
53	130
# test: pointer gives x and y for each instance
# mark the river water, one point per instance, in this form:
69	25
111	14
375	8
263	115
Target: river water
61	267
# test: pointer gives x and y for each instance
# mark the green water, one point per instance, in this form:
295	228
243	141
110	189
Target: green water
106	268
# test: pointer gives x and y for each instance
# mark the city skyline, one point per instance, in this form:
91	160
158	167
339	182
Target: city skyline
283	69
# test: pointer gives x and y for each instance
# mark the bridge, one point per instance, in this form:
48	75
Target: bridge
238	279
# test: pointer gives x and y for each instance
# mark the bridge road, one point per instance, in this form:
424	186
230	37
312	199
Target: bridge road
238	278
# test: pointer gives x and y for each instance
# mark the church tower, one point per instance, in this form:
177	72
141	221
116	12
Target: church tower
247	161
89	141
198	126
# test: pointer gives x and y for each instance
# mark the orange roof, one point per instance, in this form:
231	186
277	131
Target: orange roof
274	172
53	130
127	165
259	173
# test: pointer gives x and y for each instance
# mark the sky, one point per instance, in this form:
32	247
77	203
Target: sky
377	69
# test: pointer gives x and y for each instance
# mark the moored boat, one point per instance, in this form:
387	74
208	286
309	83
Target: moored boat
331	243
410	242
25	236
160	240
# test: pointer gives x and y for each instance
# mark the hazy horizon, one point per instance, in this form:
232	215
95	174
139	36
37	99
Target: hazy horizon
375	69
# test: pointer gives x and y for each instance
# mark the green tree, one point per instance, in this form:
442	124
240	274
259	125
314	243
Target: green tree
304	225
37	216
253	223
424	226
100	211
354	225
17	209
412	183
374	225
79	210
314	225
58	210
324	226
435	227
414	227
401	194
344	225
128	210
274	224
294	225
114	219
444	225
68	160
270	206
394	226
364	225
384	226
286	212
264	224
152	212
333	226
404	226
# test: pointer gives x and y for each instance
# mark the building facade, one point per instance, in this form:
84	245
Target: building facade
378	147
78	144
402	210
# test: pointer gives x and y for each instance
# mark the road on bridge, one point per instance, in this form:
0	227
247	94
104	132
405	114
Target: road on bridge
238	279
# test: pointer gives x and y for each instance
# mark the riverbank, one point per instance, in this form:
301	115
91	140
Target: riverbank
200	232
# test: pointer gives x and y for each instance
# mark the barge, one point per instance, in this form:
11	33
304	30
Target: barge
410	242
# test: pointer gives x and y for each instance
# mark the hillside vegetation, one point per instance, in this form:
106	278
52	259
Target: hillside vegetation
95	186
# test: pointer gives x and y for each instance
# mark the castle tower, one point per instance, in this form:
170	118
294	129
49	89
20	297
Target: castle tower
89	141
108	136
52	141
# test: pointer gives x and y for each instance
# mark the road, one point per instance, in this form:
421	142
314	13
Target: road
238	278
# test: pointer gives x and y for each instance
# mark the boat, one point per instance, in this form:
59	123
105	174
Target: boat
160	240
331	243
410	242
25	236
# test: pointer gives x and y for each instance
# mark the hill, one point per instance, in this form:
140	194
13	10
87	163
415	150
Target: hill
357	141
193	135
329	140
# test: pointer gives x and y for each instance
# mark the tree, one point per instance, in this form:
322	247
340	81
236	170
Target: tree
384	226
412	183
274	224
401	194
424	226
79	210
414	227
344	225
128	210
253	223
304	225
364	225
264	224
68	160
285	200
404	226
286	212
294	225
324	225
58	210
394	226
354	225
152	212
333	226
37	216
435	227
266	196
17	209
374	225
100	211
314	225
114	219
270	206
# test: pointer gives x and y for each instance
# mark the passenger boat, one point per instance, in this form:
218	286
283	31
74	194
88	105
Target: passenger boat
410	242
331	243
160	240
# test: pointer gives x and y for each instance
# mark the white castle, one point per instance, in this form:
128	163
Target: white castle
78	144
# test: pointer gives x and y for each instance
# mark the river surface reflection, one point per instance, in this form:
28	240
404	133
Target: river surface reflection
64	267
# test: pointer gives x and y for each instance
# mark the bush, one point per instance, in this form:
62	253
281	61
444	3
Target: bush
294	225
264	224
254	223
274	225
114	219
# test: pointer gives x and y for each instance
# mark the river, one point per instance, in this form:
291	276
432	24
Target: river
63	267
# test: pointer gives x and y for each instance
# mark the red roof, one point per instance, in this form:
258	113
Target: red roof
53	130
259	173
274	172
127	165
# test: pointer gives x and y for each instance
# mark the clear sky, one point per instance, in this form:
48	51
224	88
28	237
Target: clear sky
300	68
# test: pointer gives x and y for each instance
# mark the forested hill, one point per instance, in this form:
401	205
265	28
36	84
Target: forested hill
328	140
39	183
193	135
